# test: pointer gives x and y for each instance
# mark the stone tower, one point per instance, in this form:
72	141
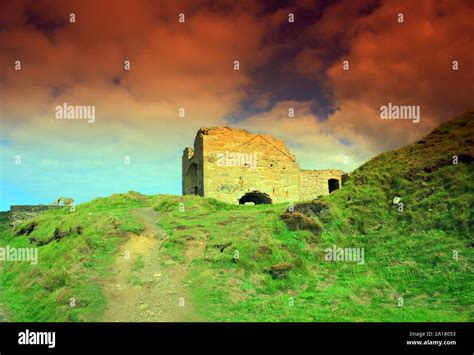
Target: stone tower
236	166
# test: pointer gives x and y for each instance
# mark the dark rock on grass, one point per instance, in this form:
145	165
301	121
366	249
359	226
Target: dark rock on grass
281	270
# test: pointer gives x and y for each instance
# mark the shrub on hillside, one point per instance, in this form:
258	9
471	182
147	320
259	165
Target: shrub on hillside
315	208
299	221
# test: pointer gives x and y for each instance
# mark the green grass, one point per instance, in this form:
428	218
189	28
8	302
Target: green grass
70	269
138	264
408	253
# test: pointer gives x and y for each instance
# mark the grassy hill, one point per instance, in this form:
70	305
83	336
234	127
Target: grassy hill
263	263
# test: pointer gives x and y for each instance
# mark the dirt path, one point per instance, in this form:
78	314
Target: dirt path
147	286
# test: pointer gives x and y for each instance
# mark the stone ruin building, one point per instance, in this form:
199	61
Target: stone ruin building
236	166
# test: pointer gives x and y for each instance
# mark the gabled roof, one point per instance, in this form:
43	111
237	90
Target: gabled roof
268	142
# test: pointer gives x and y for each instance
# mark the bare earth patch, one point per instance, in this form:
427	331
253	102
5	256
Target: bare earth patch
149	286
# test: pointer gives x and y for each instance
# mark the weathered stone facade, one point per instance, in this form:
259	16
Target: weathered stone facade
236	166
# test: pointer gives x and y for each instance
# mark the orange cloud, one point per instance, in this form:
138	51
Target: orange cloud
173	64
407	63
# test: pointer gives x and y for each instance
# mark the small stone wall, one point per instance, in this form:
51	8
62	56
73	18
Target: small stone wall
21	213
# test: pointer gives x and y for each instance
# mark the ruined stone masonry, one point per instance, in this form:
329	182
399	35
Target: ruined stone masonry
236	166
21	213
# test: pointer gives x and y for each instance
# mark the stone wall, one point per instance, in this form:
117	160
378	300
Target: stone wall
192	164
316	182
229	163
237	162
22	213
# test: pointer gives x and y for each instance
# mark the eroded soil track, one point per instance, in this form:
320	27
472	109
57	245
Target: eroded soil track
147	286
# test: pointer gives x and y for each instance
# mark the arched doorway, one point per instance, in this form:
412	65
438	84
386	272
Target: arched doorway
191	180
333	185
256	197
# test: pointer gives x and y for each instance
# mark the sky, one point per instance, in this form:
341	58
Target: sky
399	52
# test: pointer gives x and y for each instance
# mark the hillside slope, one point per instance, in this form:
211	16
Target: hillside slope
247	263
